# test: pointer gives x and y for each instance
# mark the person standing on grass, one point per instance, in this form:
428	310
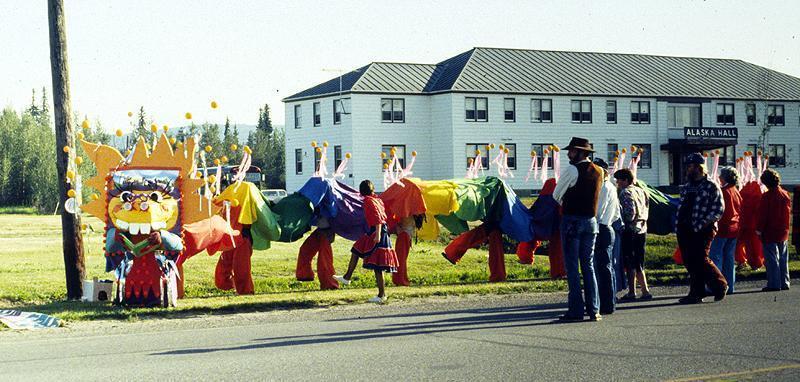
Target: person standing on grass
608	213
723	248
577	191
773	227
635	211
700	208
374	247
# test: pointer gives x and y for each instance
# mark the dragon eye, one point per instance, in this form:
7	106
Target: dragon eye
156	197
126	196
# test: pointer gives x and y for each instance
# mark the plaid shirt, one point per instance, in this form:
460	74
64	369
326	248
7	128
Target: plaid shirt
708	203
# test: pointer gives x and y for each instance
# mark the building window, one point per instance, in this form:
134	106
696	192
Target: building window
337	112
400	151
337	157
581	111
727	156
683	116
298	161
775	115
539	148
317	114
476	109
512	155
725	114
611	111
393	110
777	155
750	111
611	152
640	112
541	110
484	148
509	110
645	161
298	116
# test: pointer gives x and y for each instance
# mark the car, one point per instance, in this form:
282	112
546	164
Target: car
274	195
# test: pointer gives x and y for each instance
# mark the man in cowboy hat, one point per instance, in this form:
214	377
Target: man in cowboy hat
577	191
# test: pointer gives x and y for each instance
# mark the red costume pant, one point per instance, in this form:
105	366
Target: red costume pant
749	247
402	246
233	268
525	251
473	239
317	242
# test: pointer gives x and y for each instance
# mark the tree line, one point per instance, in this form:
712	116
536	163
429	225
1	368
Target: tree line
28	159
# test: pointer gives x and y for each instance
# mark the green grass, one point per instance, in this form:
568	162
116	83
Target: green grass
17	210
32	275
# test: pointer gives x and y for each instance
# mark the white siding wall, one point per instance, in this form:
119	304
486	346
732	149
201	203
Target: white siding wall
301	138
436	128
370	133
523	132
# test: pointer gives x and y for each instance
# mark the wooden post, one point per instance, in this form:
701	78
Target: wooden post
72	241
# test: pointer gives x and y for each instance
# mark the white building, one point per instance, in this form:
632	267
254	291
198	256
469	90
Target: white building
529	99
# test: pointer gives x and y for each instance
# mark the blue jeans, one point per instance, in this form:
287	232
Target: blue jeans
723	253
776	260
621	282
578	235
604	269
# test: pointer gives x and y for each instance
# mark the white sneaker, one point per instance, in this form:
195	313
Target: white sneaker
377	300
341	280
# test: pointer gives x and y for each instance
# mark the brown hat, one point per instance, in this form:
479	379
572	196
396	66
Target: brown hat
579	144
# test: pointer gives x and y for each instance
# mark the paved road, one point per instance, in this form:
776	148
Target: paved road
748	336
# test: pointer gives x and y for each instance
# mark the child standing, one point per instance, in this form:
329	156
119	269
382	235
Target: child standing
773	225
374	247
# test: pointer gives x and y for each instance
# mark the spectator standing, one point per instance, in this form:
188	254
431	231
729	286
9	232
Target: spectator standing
723	248
701	206
773	227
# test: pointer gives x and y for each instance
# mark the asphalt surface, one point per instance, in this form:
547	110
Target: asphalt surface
750	335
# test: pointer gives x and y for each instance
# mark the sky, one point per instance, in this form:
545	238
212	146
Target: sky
174	57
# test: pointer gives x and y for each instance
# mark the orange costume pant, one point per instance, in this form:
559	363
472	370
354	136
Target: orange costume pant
402	246
317	242
526	249
474	238
233	268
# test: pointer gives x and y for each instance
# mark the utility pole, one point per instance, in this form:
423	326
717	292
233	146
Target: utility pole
72	242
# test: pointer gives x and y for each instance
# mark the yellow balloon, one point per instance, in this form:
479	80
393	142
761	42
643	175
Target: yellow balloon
213	104
208	148
84	226
65	149
119	132
217	162
154	128
413	153
95	196
385	166
179	145
198	174
477	152
383	155
165	127
172	140
130	114
234	147
70	174
212	189
313	143
348	155
533	153
81	136
78	161
85	124
319	150
248	150
188	115
324	143
224	159
212	179
71	193
502	147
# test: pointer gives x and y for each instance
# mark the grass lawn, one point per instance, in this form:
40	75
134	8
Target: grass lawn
32	275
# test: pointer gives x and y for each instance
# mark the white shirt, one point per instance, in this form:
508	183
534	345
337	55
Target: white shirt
608	204
568	178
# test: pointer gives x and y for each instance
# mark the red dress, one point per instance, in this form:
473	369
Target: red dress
378	256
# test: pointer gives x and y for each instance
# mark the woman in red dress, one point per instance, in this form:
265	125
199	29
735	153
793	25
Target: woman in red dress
374	247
